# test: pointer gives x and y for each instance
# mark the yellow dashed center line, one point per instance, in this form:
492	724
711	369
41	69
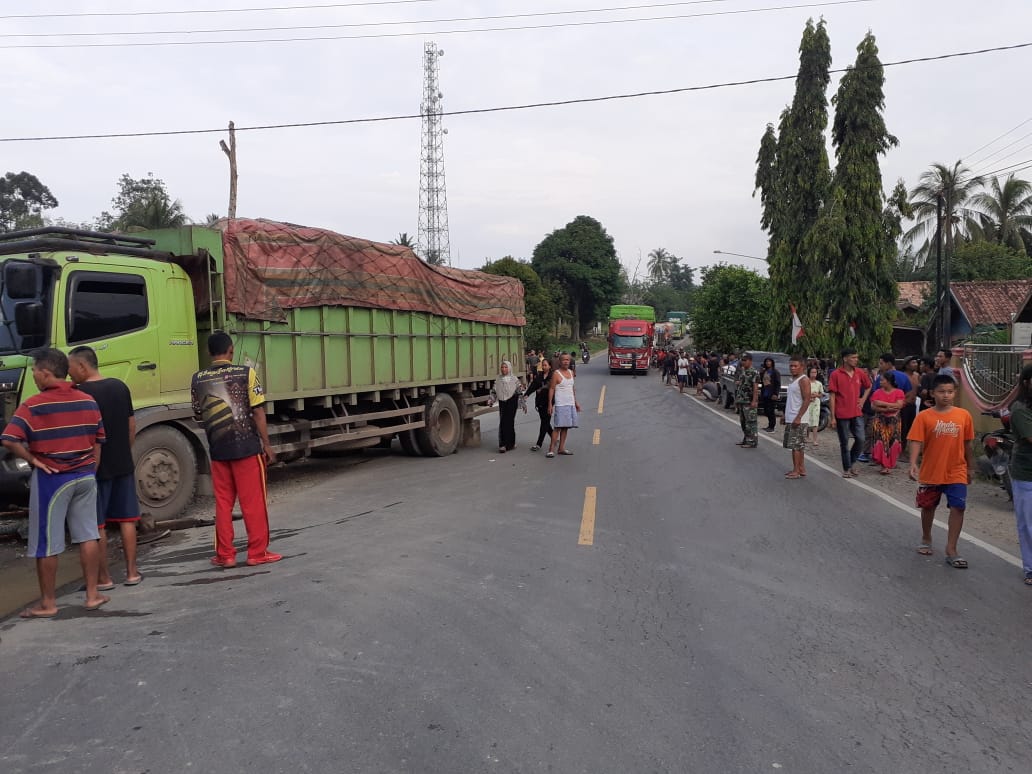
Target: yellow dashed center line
587	524
596	439
602	399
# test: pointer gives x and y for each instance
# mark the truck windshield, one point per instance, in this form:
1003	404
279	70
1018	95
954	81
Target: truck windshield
631	342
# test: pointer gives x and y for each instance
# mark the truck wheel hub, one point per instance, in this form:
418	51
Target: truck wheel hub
158	474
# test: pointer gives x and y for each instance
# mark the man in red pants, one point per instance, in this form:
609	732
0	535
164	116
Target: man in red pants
228	401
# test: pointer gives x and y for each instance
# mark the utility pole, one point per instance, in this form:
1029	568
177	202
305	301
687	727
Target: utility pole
940	333
432	242
230	151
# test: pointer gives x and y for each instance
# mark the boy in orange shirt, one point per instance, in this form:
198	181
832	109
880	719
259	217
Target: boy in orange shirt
944	433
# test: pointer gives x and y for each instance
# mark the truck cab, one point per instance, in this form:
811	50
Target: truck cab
630	346
64	288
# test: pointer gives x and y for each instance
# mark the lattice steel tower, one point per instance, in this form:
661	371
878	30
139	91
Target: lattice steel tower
432	238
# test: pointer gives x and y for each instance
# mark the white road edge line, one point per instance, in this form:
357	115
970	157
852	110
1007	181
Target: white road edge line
999	553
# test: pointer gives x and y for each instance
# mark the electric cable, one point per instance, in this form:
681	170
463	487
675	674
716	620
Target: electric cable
995	140
294	28
508	108
424	33
194	11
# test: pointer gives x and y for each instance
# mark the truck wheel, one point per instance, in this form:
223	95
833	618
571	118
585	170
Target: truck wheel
407	439
443	429
166	471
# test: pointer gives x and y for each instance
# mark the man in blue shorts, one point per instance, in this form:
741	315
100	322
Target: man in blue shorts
59	432
116	482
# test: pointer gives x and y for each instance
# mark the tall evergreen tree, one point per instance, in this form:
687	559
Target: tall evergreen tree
852	242
793	178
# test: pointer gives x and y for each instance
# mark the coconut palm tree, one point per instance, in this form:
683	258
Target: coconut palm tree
661	264
957	187
1008	211
404	240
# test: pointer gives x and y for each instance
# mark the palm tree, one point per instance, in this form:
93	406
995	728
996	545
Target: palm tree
957	187
404	240
1008	211
212	219
661	264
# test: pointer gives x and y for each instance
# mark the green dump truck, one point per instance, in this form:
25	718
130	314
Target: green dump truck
355	342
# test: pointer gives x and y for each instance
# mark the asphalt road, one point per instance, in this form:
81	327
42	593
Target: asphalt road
467	614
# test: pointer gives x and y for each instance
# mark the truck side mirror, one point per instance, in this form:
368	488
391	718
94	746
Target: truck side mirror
22	280
30	319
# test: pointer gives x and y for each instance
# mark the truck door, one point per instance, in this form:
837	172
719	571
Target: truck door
111	312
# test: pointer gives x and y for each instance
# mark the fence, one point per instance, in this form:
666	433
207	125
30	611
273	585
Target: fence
991	371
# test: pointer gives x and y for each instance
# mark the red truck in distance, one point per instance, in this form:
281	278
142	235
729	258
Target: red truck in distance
631	332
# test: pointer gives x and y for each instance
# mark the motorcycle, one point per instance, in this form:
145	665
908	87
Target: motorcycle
997	446
585	356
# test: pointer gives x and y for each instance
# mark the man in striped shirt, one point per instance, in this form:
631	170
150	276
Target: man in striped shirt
59	432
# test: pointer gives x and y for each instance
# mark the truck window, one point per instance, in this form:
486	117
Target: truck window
102	305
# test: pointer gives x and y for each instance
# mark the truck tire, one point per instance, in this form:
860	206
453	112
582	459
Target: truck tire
443	429
407	439
166	471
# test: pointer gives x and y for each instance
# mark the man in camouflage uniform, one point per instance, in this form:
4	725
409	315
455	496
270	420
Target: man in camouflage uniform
747	393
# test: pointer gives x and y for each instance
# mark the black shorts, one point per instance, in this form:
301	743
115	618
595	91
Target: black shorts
116	500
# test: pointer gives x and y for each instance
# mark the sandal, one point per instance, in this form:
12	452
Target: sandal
550	455
792	475
1028	578
925	549
566	453
956	562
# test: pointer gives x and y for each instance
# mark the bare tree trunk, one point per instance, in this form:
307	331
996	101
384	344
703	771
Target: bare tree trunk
230	151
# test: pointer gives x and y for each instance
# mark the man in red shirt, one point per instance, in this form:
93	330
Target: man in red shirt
848	388
59	432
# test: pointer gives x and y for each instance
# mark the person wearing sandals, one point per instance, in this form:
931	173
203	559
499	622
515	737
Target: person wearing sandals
797	406
562	407
539	384
508	394
1021	468
886	402
848	388
943	434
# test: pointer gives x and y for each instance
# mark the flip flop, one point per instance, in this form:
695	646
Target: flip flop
566	453
100	587
98	605
792	475
550	455
31	612
1028	578
956	562
925	549
136	582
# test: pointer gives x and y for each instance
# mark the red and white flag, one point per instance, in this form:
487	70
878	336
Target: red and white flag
852	330
797	325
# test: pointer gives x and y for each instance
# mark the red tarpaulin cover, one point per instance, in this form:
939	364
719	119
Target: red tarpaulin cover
271	267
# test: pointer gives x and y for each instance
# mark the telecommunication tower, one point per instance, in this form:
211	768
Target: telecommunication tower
432	237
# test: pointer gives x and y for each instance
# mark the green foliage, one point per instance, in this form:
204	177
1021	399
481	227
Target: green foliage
957	186
22	201
853	244
405	240
987	261
581	259
793	178
142	204
730	309
1007	211
541	308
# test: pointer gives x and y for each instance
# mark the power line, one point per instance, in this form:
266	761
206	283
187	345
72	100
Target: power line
505	108
294	28
995	140
985	160
589	23
85	14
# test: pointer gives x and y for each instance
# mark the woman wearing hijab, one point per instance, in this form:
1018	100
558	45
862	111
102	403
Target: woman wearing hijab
506	392
540	384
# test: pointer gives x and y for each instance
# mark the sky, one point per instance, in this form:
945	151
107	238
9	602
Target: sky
673	171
